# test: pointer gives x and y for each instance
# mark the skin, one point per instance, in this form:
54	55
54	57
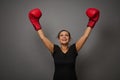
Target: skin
64	40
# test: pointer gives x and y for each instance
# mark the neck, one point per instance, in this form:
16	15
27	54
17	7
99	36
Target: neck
64	47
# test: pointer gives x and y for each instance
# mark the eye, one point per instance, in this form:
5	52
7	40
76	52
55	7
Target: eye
61	34
66	35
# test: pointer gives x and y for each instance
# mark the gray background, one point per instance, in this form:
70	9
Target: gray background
24	57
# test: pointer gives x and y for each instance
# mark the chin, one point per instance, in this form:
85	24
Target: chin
65	43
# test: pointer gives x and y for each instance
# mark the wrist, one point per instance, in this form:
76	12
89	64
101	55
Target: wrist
37	26
91	24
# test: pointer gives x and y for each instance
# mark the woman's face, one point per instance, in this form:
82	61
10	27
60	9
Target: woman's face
64	37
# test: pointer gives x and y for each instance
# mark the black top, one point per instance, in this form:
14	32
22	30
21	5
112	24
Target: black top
65	63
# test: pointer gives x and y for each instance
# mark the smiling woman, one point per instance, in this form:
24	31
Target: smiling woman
65	55
64	37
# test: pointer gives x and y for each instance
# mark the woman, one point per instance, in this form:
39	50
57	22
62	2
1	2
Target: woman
64	55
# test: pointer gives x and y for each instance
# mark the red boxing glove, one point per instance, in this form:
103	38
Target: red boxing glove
93	15
34	16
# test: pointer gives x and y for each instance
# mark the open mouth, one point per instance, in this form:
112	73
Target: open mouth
64	39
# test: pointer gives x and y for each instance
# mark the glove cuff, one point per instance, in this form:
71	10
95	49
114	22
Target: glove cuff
91	24
37	26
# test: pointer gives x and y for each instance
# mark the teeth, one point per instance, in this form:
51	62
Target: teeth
64	40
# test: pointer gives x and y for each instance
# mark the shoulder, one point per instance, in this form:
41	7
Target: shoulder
73	48
55	48
73	45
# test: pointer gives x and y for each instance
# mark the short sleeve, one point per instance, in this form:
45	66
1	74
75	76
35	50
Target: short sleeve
55	49
73	49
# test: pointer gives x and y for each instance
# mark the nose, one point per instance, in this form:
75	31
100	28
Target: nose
64	36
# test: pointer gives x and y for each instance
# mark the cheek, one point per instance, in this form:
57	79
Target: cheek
60	38
68	38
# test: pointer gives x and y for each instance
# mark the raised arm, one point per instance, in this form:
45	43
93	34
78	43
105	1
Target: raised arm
83	38
34	16
46	41
93	15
